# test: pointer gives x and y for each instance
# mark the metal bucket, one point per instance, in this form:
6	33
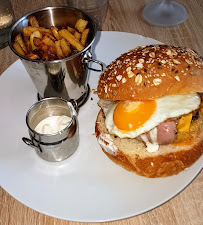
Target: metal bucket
66	78
57	146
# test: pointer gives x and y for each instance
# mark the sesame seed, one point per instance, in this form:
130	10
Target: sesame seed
138	79
124	80
139	65
119	77
177	78
157	81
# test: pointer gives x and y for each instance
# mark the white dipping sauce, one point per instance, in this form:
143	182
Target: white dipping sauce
52	124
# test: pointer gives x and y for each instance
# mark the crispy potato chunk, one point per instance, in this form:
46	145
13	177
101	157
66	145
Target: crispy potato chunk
28	44
32	36
84	36
70	29
71	39
81	25
55	32
77	35
27	31
65	47
33	21
20	41
18	49
59	50
47	41
32	56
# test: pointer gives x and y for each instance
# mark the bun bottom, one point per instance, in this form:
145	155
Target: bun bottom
168	160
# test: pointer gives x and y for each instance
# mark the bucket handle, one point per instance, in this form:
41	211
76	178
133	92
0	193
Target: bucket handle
88	58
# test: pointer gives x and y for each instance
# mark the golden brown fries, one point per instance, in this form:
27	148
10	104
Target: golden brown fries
52	56
81	25
45	44
59	50
37	41
71	39
72	30
50	36
65	47
20	41
32	36
32	56
45	56
52	49
84	36
18	49
47	41
32	21
77	35
27	31
55	32
28	44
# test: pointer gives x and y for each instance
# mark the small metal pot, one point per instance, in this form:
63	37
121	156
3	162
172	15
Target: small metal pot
66	78
58	146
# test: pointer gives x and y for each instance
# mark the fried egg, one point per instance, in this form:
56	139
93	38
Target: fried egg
130	119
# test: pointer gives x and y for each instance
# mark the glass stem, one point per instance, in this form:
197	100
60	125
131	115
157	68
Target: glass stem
166	2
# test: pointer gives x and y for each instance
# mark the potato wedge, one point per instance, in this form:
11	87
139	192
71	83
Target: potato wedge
32	56
27	31
18	48
70	29
20	41
45	56
59	50
81	25
28	44
44	47
71	39
84	36
32	36
77	35
52	49
51	55
33	21
65	47
37	41
55	32
47	41
50	36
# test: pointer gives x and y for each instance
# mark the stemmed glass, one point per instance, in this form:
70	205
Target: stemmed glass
165	13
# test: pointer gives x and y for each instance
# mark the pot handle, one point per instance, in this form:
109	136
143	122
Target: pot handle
74	104
28	142
88	58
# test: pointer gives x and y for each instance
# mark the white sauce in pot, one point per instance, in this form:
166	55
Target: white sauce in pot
52	124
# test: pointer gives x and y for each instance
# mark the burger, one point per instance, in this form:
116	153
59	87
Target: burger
151	116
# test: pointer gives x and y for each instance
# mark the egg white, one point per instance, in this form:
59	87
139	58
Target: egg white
166	107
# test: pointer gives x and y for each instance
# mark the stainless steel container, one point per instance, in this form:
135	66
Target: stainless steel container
58	146
68	77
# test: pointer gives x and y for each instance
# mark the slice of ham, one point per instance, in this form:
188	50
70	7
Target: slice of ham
166	132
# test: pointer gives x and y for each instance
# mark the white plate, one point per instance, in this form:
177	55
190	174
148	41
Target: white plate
88	186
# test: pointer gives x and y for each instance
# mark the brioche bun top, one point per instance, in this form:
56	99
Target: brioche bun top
151	72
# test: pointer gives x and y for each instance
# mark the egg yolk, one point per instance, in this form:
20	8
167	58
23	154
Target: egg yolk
130	115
